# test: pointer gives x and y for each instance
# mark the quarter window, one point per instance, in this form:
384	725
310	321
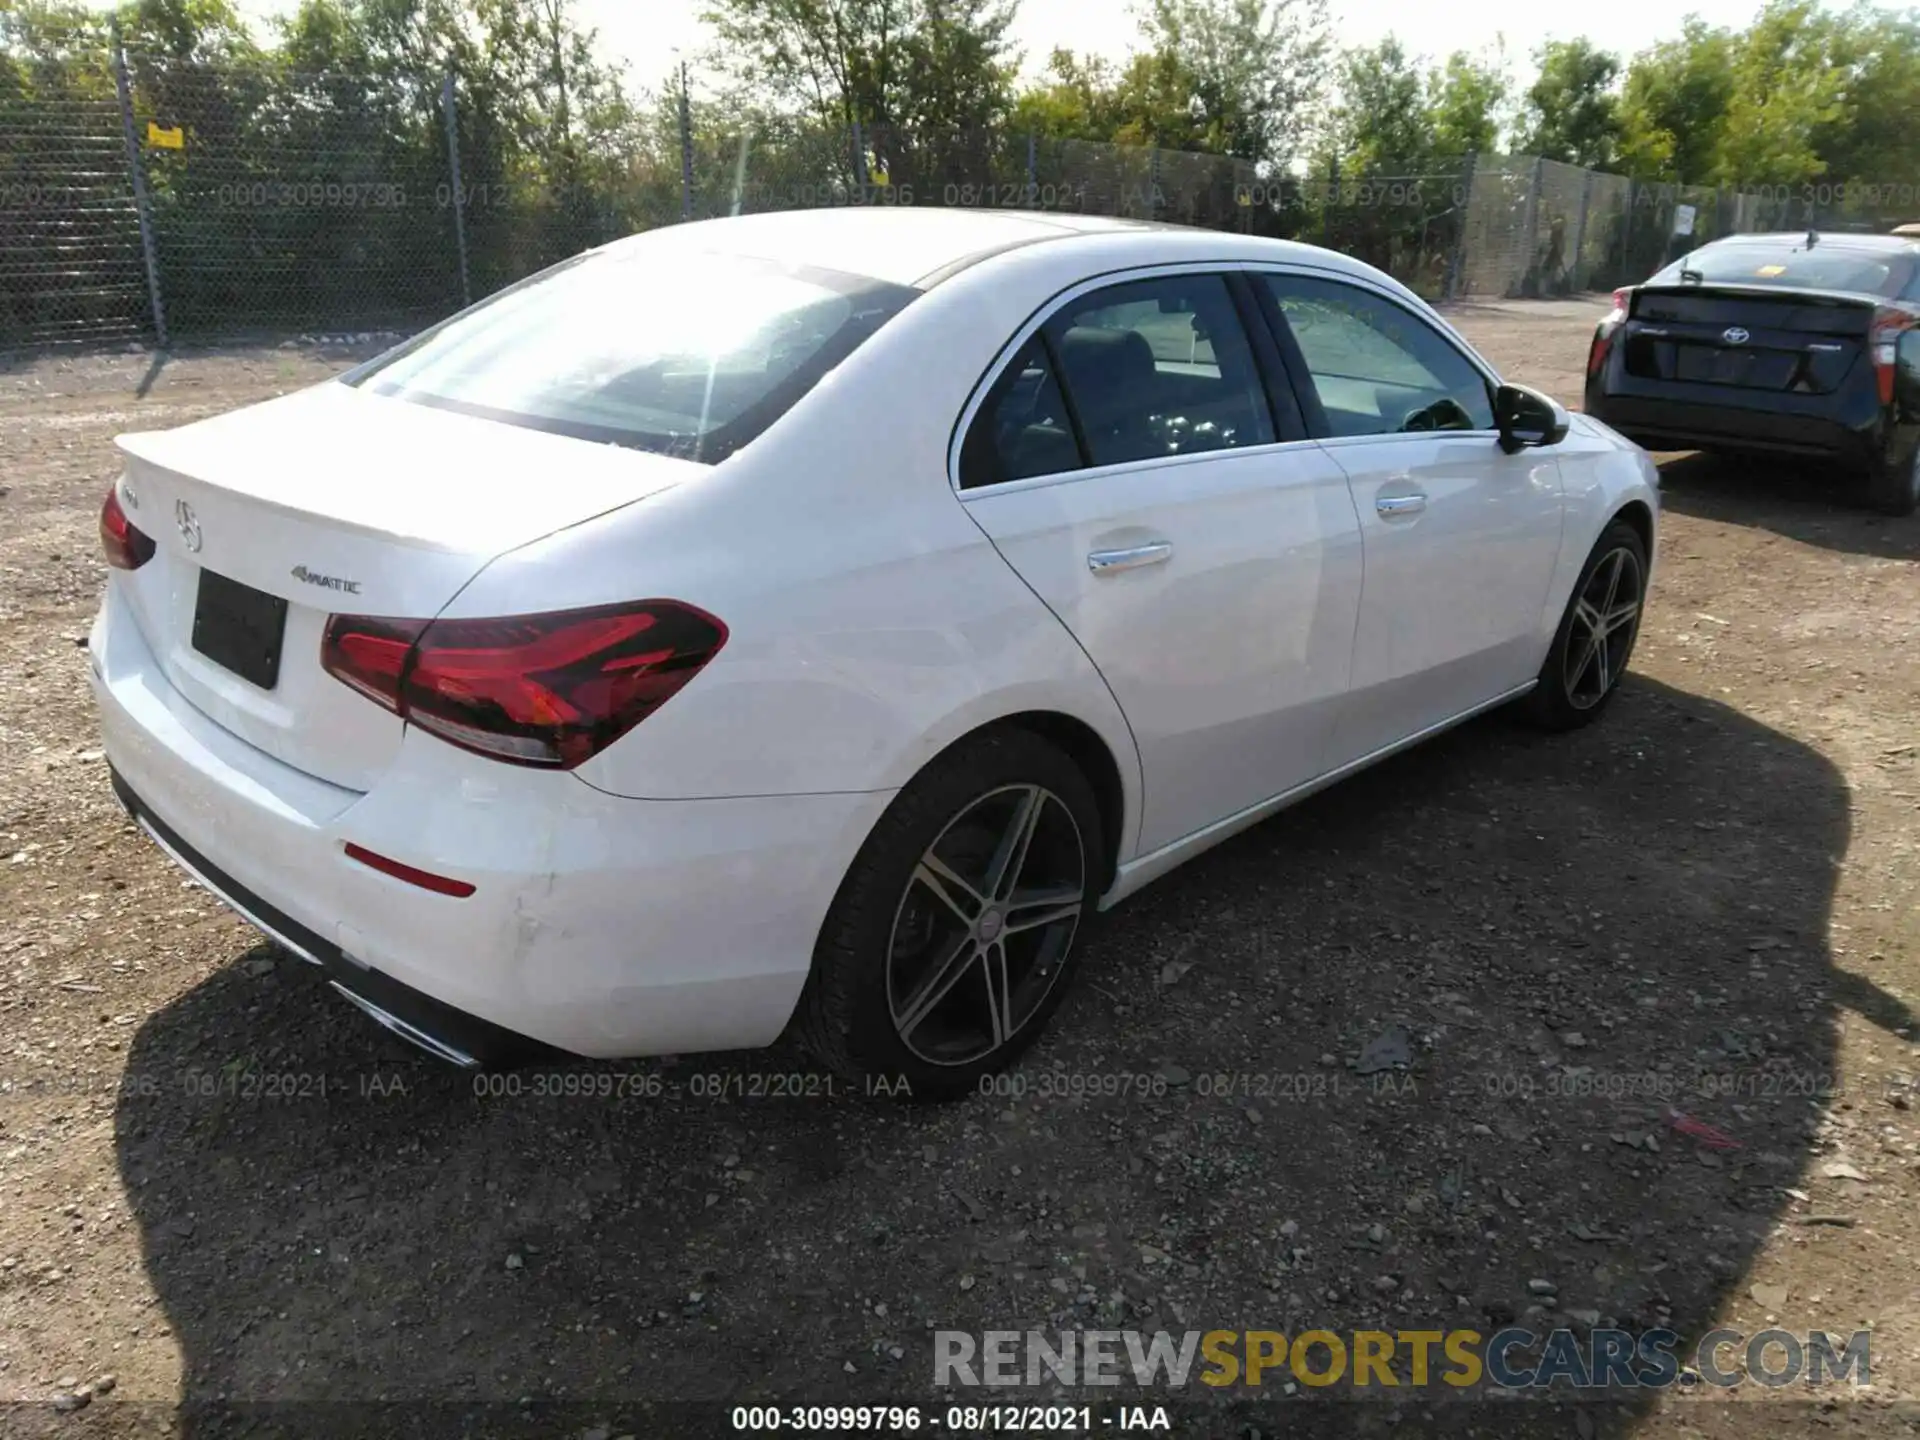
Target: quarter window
1023	429
1376	367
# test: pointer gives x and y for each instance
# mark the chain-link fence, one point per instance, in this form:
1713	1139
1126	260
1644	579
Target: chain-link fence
70	256
293	200
149	198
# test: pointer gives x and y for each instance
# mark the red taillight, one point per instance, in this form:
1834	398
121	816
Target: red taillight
1888	325
370	655
1603	335
547	690
1597	353
128	547
425	879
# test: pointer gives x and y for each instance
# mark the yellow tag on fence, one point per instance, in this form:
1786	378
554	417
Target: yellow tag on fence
174	139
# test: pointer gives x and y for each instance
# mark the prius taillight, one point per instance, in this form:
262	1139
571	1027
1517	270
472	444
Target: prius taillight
1888	326
1603	333
548	690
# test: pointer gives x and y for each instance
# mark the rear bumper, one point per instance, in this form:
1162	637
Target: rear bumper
599	926
452	1035
1842	430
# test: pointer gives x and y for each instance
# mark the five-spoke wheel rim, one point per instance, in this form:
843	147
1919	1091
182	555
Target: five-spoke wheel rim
1606	614
983	928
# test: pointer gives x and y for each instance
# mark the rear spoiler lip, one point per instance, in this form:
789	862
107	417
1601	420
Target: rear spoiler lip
1789	294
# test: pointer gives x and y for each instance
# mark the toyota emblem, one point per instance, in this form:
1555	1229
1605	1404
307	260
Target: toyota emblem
1734	335
183	516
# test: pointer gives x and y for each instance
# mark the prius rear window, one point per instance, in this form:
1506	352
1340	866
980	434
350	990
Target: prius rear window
691	355
1793	266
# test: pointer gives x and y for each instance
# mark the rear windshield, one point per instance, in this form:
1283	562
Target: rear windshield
690	356
1793	266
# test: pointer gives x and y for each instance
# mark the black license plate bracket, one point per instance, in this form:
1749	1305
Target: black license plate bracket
239	628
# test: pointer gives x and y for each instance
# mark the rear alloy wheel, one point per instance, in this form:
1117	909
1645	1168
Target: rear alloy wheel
1595	639
953	934
1895	491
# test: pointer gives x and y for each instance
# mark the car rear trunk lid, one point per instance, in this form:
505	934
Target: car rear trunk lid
1746	337
270	519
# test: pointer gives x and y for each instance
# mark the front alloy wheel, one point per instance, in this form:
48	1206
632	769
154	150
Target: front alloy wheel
1606	616
1595	639
951	938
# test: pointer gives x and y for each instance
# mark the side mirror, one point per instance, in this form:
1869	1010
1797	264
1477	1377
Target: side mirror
1526	418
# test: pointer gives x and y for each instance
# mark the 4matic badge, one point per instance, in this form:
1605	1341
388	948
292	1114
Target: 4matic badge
326	582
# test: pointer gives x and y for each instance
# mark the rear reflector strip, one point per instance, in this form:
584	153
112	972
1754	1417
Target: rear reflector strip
425	879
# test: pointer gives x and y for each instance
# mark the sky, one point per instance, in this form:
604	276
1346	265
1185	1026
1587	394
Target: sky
645	33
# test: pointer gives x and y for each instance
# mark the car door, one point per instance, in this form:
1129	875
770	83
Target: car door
1460	538
1128	462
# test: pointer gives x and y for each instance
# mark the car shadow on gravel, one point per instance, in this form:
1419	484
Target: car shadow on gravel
1803	502
1566	941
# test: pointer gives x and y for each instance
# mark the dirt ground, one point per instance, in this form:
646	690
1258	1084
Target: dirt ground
229	1203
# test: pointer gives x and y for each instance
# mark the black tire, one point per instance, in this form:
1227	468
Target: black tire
1894	489
1572	689
870	965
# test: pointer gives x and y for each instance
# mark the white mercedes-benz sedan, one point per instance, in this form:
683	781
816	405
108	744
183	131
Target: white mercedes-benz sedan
807	620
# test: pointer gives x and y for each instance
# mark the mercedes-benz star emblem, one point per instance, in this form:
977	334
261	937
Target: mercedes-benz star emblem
1734	335
183	516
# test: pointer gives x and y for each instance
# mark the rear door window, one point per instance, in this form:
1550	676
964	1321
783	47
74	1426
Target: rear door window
691	356
1159	367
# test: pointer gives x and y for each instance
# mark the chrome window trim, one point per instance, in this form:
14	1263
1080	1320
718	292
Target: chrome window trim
1128	467
1424	315
1011	350
1348	442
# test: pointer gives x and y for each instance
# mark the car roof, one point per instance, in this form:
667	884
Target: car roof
900	244
923	246
1838	240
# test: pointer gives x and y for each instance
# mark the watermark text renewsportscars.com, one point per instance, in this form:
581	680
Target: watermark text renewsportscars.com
1374	1360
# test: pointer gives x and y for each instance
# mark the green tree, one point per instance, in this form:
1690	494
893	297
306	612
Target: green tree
1465	99
1379	124
1147	101
1252	69
1228	77
926	81
1673	106
1570	108
876	63
1872	138
1787	91
1078	98
202	30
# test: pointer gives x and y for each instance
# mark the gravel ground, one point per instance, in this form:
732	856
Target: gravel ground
219	1184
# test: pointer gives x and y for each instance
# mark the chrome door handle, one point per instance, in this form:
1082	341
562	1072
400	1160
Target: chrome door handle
1400	504
1106	562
